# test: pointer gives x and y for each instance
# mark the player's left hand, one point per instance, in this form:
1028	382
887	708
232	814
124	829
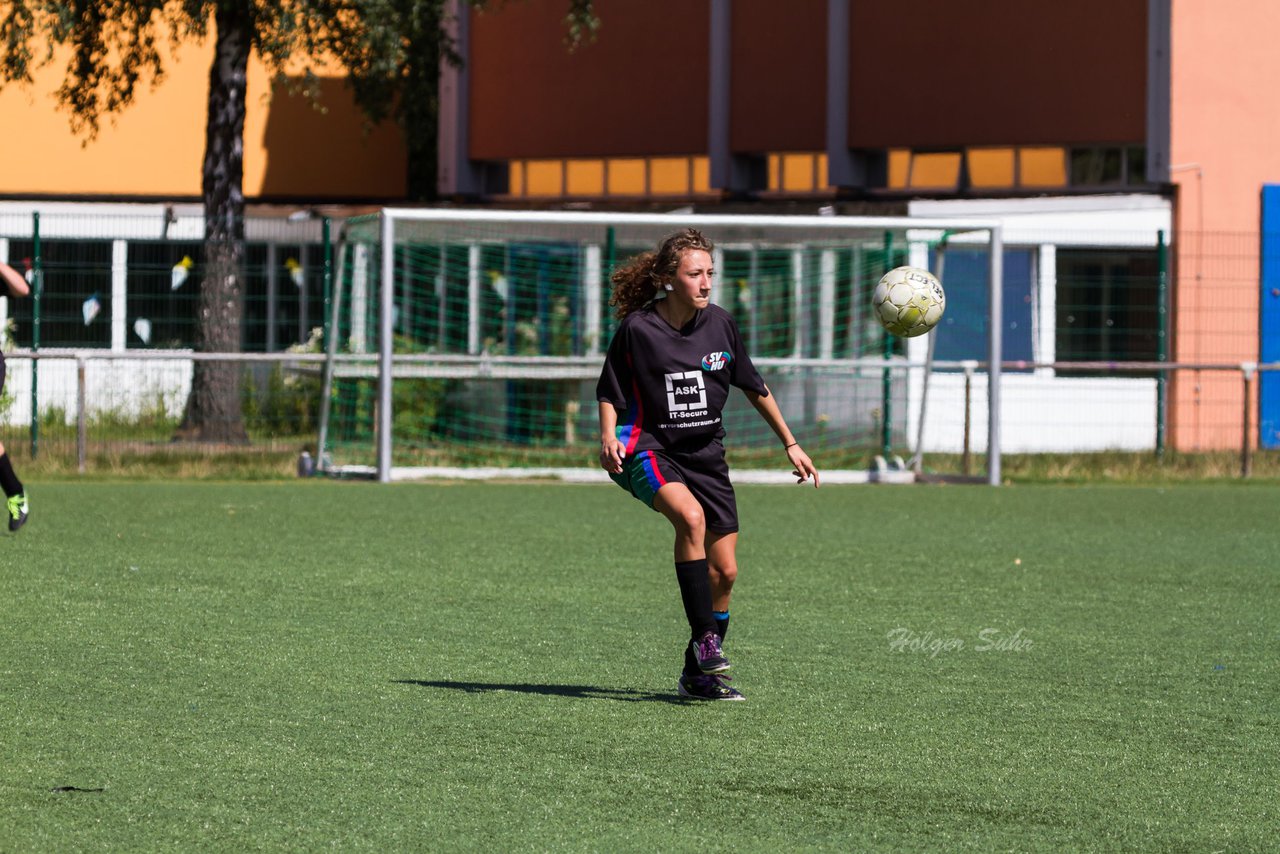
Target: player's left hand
803	465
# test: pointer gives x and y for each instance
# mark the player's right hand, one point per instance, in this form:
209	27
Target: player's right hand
611	453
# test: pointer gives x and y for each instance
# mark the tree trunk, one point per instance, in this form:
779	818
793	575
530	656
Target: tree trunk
420	98
213	409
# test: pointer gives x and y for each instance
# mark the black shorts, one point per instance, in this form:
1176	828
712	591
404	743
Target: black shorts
703	471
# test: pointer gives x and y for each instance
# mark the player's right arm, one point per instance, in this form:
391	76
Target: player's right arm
614	377
14	283
611	450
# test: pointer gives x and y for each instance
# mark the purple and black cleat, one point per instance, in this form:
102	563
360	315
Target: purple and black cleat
707	686
707	652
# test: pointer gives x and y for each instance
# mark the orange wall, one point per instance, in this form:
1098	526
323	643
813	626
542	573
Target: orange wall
1225	71
155	147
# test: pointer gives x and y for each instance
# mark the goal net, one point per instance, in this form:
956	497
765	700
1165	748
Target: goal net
468	343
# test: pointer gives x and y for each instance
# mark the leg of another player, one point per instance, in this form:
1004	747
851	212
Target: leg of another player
722	563
677	503
15	497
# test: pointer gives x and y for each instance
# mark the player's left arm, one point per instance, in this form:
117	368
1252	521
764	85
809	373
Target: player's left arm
767	406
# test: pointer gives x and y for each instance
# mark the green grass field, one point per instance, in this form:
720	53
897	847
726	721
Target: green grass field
314	665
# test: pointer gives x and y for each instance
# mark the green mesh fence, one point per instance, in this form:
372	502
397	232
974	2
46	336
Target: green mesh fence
152	266
500	325
125	285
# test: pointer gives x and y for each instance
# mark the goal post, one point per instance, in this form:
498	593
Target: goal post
468	341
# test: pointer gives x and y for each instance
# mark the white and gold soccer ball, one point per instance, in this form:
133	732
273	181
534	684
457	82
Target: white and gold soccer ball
909	301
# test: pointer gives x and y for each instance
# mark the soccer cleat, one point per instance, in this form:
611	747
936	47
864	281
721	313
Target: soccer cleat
17	511
707	652
706	686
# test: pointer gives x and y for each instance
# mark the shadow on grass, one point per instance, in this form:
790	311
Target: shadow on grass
581	692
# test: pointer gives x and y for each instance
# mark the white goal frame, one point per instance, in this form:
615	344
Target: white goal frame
385	368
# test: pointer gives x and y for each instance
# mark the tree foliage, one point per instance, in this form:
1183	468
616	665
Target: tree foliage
120	46
389	50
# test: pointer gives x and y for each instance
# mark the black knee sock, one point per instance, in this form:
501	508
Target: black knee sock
722	623
8	480
695	592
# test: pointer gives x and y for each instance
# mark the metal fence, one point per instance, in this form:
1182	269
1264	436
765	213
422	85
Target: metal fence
1138	344
97	410
86	410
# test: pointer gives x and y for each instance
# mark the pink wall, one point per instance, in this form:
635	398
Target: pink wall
1225	72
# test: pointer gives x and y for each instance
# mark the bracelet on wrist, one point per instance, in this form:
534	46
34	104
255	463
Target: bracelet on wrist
792	445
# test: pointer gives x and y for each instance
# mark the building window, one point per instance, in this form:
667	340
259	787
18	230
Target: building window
934	171
627	176
669	176
899	167
962	334
1108	166
1042	167
797	172
75	302
1107	305
543	178
584	178
978	168
991	167
1092	166
609	176
160	293
702	175
1135	166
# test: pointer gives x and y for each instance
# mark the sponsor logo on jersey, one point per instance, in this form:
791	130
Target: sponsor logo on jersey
715	361
686	392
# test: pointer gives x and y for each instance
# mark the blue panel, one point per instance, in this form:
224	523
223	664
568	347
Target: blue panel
1269	320
963	331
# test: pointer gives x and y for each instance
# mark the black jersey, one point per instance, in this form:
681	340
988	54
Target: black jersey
671	383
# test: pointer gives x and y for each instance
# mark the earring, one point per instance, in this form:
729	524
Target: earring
668	287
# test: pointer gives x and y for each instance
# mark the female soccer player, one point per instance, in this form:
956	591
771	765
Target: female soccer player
664	384
15	496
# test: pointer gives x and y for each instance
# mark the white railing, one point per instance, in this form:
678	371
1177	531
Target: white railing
1048	406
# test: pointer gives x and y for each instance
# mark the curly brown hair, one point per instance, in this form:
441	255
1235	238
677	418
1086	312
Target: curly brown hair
637	280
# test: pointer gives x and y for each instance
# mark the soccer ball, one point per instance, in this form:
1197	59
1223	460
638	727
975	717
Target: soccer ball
909	301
